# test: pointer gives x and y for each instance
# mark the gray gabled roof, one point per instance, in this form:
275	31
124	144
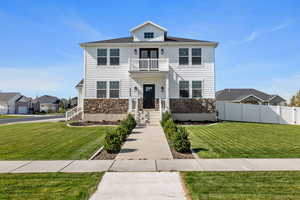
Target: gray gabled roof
48	99
80	84
239	94
7	96
130	40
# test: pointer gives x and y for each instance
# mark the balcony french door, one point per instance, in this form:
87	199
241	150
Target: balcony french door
148	59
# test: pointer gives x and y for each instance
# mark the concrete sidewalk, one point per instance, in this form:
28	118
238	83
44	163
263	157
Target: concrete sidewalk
150	165
140	185
146	143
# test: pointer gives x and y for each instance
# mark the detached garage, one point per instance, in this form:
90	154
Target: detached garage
22	105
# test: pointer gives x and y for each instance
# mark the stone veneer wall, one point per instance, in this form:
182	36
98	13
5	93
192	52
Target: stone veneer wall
105	106
193	105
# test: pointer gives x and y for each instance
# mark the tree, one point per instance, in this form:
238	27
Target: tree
295	100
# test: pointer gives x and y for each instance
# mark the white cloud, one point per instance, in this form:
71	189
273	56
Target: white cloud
79	25
256	34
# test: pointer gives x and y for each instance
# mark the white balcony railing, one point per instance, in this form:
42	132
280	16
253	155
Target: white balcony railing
149	65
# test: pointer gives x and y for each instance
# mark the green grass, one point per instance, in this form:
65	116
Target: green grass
11	116
64	186
243	185
49	141
246	140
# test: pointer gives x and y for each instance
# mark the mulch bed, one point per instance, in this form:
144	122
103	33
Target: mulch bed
104	155
177	155
88	123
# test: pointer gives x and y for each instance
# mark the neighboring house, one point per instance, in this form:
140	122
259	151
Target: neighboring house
23	105
48	103
149	70
250	96
8	102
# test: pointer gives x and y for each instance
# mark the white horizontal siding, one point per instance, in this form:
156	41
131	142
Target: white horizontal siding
204	72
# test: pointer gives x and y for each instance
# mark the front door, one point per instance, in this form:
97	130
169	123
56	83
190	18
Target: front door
149	58
149	96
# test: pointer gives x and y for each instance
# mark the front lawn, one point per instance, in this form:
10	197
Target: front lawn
49	141
56	186
243	185
12	116
246	140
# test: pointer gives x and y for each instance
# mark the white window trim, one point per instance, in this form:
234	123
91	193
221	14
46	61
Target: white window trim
191	89
100	89
115	57
196	56
107	52
190	65
108	58
202	83
114	89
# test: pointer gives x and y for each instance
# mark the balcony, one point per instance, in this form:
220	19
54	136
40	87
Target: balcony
149	65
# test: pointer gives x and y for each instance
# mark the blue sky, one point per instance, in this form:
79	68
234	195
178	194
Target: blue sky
259	40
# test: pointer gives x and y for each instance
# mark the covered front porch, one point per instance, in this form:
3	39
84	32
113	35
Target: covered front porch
149	90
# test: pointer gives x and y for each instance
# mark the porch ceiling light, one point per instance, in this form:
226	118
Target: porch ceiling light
162	51
135	51
162	89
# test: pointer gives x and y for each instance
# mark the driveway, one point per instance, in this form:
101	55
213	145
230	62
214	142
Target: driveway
32	119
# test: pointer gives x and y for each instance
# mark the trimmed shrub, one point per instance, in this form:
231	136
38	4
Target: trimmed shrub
170	127
122	132
114	139
112	142
180	140
131	121
165	117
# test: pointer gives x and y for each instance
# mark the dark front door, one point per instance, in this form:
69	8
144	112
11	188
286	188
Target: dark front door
149	58
149	96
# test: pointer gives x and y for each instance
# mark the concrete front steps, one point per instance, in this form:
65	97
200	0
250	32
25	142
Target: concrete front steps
148	117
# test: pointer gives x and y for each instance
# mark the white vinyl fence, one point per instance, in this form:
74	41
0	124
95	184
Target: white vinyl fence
258	113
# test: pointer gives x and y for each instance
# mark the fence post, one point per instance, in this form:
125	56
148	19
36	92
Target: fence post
294	115
242	111
279	114
259	113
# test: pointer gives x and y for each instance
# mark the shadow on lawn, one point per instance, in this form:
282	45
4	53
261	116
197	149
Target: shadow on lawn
196	150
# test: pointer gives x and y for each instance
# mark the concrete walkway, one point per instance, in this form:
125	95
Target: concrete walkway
140	185
150	165
146	143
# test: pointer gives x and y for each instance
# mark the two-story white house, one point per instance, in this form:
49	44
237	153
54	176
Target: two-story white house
148	70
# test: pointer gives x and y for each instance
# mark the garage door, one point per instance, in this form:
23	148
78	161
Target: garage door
22	110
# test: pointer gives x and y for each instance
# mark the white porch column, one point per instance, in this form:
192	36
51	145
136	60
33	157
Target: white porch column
167	92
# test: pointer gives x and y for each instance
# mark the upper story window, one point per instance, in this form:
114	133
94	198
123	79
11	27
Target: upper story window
101	56
196	56
148	35
196	89
101	89
114	88
183	56
184	89
114	56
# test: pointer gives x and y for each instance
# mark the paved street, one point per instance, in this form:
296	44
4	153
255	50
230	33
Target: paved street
31	119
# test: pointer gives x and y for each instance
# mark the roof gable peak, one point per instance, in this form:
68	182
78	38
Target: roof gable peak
148	23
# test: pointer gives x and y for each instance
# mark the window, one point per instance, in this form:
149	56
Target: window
183	56
196	56
184	89
114	88
114	56
101	57
148	35
101	89
197	89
